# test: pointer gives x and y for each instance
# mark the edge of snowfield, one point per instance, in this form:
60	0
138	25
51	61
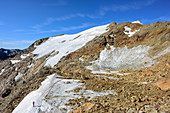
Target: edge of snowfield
53	94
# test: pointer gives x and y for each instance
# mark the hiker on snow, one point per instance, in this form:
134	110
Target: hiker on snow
33	103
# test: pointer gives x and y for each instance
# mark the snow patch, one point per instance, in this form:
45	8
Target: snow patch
6	52
24	56
71	44
105	77
116	59
58	98
18	77
30	66
113	60
138	22
129	32
53	94
81	59
25	106
113	36
147	106
100	72
2	71
15	61
143	83
117	72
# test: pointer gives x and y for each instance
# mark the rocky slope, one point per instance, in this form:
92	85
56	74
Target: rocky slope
112	68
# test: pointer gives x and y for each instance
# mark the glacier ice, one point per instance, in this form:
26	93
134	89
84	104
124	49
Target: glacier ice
116	59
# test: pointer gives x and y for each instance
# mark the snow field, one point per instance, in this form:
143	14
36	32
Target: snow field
66	44
116	59
53	94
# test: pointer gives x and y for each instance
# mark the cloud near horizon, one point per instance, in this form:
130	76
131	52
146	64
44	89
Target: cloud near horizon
124	7
51	20
62	29
17	42
162	18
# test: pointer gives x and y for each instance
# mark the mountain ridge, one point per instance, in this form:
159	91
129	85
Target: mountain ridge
79	60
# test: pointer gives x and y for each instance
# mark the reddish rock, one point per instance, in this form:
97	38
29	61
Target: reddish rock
168	64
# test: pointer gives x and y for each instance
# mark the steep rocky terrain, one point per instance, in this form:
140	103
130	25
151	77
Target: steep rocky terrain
117	67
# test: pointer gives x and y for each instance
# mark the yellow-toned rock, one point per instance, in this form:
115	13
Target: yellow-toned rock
84	108
164	84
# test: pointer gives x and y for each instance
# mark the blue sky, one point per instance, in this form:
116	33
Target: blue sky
24	21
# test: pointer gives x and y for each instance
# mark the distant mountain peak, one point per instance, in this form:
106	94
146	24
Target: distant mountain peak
8	53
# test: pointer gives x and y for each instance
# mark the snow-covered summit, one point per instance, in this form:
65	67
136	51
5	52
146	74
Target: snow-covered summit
137	21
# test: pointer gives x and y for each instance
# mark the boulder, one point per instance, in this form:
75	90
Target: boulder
164	84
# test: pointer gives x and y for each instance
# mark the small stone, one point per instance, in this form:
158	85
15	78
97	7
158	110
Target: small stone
68	82
81	81
157	107
63	109
168	64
